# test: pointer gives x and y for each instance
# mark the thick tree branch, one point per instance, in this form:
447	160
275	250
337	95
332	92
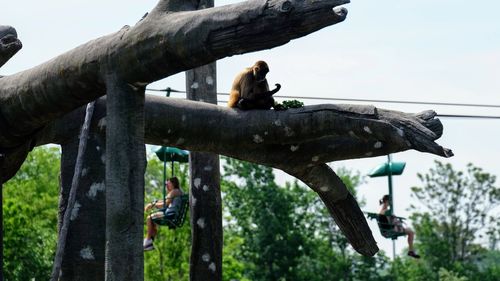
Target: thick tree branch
340	203
160	45
298	141
329	132
9	44
312	135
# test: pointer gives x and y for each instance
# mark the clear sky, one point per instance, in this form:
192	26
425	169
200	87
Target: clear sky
437	51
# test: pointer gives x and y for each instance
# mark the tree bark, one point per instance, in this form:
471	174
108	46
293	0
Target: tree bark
125	167
206	207
75	182
84	254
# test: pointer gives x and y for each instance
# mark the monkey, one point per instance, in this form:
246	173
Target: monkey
250	89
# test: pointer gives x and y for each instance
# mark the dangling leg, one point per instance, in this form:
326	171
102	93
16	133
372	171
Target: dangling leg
152	229
411	236
150	234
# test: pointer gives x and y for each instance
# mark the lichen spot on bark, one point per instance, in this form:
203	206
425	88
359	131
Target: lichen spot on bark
378	145
294	148
257	139
183	117
85	171
205	188
103	158
75	210
197	182
315	158
180	141
193	201
208	168
195	85
289	132
87	253
277	123
367	129
102	123
209	80
206	257
212	267
401	132
324	188
94	188
369	154
352	134
201	222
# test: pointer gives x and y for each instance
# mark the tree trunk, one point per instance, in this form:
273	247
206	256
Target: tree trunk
75	182
84	253
125	167
206	207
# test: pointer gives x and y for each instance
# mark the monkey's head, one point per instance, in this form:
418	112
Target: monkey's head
260	69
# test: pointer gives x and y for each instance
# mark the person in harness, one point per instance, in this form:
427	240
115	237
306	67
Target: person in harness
393	222
172	203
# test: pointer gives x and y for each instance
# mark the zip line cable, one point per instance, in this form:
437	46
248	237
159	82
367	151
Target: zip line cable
468	116
169	90
359	100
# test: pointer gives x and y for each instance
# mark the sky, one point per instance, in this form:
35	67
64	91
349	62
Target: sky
433	51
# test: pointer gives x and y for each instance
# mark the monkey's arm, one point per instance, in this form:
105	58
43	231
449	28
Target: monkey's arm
272	92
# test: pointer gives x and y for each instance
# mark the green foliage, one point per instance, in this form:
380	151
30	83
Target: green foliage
411	270
233	267
286	231
263	214
445	275
30	205
458	212
286	104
